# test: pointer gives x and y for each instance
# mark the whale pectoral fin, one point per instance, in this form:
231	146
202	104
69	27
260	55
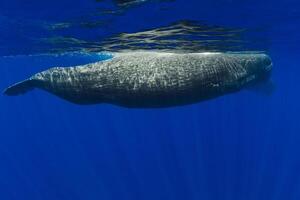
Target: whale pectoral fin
19	88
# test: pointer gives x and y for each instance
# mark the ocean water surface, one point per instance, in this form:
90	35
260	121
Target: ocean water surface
244	145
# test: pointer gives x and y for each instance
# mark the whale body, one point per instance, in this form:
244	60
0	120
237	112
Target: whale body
151	79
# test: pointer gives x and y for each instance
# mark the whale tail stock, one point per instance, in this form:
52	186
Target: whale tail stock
20	87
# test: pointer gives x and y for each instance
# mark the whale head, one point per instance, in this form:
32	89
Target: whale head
258	69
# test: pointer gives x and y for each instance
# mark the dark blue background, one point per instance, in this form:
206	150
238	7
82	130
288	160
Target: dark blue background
240	146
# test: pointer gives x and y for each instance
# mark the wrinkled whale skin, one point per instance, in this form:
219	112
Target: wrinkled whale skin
151	79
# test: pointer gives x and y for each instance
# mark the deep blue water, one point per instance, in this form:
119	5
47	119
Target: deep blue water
242	146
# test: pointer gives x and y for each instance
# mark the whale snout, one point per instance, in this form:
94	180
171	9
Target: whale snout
261	66
258	68
266	67
266	63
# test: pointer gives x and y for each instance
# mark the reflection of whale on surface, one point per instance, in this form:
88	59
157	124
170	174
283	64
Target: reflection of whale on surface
151	79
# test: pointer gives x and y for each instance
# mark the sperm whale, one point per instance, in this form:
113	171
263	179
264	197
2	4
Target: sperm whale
151	79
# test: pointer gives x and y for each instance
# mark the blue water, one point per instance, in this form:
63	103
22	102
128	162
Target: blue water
242	146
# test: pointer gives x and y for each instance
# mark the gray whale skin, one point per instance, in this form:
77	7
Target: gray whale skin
151	79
